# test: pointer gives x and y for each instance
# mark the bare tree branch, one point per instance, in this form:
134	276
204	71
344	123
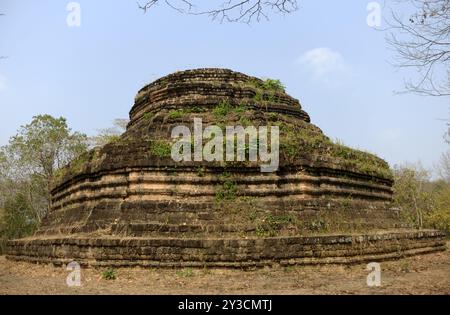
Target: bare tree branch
230	10
422	42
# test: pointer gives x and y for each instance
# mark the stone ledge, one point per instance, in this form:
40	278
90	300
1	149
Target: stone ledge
226	252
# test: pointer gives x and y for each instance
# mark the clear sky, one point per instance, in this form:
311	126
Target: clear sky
325	54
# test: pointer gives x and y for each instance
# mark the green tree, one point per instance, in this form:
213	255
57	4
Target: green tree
410	194
28	163
19	218
423	202
439	218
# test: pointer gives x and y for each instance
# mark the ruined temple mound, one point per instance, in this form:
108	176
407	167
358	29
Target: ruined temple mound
129	203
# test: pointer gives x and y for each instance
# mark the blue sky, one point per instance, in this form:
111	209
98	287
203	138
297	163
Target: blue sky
325	54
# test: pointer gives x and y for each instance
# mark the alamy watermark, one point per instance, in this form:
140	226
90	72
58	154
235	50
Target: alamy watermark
74	277
74	17
231	147
374	277
374	17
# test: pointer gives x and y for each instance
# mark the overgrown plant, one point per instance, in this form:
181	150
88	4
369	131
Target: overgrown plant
273	85
109	274
160	148
227	190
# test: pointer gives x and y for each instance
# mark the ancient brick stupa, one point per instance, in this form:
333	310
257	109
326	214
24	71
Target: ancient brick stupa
129	203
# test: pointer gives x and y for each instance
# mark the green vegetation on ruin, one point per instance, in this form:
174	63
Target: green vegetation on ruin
109	274
227	188
266	90
246	212
273	85
160	148
200	171
75	166
269	85
180	113
175	114
224	108
148	116
186	273
299	142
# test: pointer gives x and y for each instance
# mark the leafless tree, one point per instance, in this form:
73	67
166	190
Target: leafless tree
443	166
110	134
421	41
229	10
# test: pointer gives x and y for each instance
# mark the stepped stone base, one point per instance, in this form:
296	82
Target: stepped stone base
95	251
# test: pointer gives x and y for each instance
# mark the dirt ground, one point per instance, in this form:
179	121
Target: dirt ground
427	274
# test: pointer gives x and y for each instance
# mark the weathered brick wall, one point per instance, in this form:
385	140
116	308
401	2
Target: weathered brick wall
237	252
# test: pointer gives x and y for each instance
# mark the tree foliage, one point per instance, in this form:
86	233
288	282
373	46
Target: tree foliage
409	192
27	167
41	147
423	202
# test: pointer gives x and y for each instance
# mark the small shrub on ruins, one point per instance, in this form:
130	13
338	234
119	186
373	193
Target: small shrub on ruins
270	224
186	273
318	225
200	171
148	116
175	114
240	109
227	190
273	116
160	148
109	274
259	96
196	109
222	110
261	231
244	121
274	85
253	215
275	221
